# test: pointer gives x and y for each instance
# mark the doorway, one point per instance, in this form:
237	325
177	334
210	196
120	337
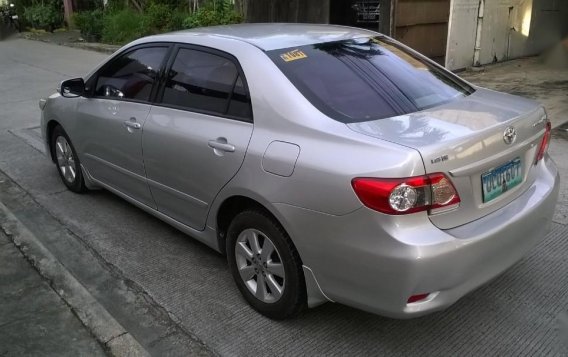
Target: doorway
357	13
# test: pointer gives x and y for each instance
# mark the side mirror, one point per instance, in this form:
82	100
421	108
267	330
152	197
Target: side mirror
72	88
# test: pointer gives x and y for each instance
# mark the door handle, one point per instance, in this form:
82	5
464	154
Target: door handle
220	145
132	124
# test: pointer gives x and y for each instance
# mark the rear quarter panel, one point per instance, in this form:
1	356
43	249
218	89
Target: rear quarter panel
331	154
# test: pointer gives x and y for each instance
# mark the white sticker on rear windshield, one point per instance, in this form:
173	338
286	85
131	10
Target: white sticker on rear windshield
293	55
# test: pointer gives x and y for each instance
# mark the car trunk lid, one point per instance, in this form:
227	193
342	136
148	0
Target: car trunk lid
465	140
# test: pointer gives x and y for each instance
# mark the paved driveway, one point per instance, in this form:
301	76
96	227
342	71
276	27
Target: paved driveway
514	315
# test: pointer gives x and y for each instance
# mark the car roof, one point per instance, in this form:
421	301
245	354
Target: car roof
272	36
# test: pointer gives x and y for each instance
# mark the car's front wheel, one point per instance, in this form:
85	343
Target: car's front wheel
265	265
67	161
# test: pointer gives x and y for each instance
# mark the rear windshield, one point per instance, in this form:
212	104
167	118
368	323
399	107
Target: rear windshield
366	79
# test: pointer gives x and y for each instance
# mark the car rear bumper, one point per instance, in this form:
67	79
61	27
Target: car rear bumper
376	262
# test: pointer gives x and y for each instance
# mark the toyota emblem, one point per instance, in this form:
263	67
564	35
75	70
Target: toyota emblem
510	135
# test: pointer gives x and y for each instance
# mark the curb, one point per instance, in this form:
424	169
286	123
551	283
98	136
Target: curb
107	331
91	46
88	46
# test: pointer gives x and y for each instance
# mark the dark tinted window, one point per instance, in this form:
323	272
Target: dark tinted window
240	103
132	75
365	79
205	82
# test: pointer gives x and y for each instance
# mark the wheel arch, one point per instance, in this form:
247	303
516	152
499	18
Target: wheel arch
232	206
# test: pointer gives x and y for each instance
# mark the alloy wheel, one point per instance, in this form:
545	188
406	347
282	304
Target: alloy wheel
65	159
260	265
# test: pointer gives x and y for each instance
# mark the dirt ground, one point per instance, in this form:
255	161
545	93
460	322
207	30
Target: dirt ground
543	78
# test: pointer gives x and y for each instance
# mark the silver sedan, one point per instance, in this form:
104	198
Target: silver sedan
327	163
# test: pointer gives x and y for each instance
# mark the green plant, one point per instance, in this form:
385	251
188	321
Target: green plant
113	6
164	18
172	4
159	16
176	21
88	5
21	6
44	16
90	23
124	26
213	12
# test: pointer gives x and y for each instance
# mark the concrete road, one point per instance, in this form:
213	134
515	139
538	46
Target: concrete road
30	70
158	282
44	322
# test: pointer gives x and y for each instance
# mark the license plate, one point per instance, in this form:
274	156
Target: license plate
501	179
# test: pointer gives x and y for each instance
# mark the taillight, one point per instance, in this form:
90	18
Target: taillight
544	143
417	298
406	195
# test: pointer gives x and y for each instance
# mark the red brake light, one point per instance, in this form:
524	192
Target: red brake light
406	195
416	298
544	143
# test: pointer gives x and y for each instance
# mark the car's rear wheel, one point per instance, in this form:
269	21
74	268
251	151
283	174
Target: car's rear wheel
67	161
265	265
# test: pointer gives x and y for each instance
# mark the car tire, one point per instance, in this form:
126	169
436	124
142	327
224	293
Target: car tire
67	161
265	265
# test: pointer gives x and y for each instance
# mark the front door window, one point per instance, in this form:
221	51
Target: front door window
131	76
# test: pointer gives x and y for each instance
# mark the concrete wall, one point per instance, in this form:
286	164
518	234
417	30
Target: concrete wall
511	29
548	25
461	33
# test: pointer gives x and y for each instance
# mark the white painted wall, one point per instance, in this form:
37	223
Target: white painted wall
511	29
461	33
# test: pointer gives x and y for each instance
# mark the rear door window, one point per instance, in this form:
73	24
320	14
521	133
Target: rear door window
367	79
205	82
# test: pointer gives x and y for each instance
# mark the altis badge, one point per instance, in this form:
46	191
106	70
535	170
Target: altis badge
439	159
